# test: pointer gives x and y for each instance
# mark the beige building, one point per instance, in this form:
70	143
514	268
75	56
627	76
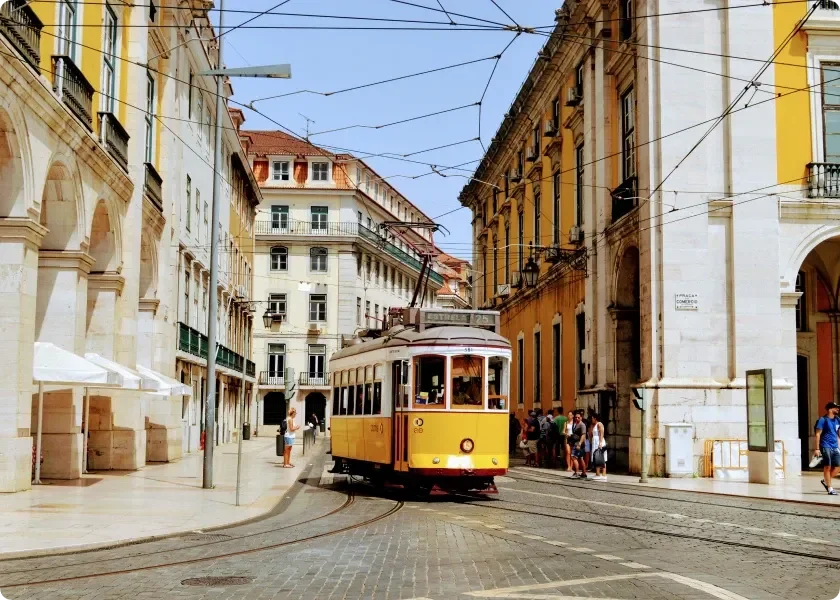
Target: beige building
456	291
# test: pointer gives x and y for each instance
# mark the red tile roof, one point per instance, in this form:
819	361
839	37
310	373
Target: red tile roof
265	143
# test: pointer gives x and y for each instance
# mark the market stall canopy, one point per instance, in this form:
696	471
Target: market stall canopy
132	380
52	366
168	386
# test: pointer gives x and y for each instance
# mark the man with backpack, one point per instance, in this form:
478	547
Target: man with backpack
827	445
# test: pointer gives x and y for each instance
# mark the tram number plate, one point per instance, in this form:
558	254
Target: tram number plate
418	430
377	428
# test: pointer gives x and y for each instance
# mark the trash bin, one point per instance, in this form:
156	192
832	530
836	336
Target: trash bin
281	444
323	427
246	431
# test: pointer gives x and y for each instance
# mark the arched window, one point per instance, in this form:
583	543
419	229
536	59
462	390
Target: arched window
318	260
279	258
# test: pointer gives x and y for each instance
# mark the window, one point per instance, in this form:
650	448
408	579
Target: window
376	269
555	115
368	268
557	360
149	118
579	79
317	364
400	282
467	376
497	383
579	185
507	253
279	258
358	311
67	29
521	241
376	315
831	114
198	211
206	220
520	163
277	361
628	134
626	16
189	202
320	171
537	368
801	305
358	265
360	216
319	218
318	307
208	122
429	381
199	103
537	214
187	283
109	59
495	265
367	183
556	208
280	170
520	371
580	322
535	144
279	217
190	94
367	314
318	260
370	223
495	205
277	304
507	187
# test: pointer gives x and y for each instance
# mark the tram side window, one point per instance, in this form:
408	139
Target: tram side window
377	398
351	399
360	395
336	400
368	400
429	381
498	383
468	381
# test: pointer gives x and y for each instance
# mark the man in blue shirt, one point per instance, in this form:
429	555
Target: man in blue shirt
827	444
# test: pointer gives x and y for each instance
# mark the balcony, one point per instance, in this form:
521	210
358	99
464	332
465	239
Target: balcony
250	368
823	180
195	343
397	253
114	138
272	379
305	228
314	380
153	186
625	198
22	28
73	88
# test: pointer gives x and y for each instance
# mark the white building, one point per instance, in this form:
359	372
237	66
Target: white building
323	265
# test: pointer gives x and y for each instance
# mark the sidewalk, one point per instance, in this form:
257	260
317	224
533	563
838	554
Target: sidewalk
805	489
109	507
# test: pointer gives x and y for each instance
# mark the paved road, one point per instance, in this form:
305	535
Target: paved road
543	537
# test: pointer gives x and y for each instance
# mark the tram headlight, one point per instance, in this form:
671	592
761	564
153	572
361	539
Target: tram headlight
495	461
436	460
467	445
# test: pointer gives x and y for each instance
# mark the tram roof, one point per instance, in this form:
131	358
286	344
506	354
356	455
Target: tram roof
443	336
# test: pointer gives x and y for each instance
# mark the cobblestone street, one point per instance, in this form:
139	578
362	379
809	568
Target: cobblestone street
544	536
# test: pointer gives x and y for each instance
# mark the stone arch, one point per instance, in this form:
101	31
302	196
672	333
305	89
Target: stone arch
104	240
62	207
16	175
803	249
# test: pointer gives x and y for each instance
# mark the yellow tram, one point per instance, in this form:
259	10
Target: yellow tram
426	404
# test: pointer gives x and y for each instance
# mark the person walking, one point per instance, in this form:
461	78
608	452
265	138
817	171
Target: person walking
532	431
570	423
289	438
559	434
315	423
827	445
598	443
514	428
577	442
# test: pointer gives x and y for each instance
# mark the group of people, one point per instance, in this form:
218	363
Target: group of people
553	439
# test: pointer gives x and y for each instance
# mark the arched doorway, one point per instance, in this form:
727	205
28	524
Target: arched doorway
274	408
316	403
625	313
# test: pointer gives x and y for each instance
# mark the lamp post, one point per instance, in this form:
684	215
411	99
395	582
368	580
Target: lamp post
271	72
250	312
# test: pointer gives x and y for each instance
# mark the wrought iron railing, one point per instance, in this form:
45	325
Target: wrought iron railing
315	379
195	343
22	28
272	378
250	368
625	198
153	186
307	228
114	138
73	88
397	253
823	180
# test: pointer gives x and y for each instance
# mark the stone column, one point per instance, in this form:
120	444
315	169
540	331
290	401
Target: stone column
20	239
103	291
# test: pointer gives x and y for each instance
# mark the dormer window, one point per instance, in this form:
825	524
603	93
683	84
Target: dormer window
280	170
320	171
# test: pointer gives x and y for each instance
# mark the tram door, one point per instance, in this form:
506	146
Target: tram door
399	399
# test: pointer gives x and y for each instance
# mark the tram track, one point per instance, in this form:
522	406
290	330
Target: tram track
349	501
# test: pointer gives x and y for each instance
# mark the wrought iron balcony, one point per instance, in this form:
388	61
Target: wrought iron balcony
114	138
823	180
250	368
153	186
73	88
625	198
191	341
305	228
398	253
314	379
272	379
22	28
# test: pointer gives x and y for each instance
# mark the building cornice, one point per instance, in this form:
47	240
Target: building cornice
23	229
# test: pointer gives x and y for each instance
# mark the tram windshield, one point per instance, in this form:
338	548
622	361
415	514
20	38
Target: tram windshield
429	381
468	381
498	383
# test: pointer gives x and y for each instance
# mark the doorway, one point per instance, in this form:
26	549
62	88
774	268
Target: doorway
802	397
315	403
274	408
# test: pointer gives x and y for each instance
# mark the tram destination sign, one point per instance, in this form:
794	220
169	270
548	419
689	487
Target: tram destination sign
423	318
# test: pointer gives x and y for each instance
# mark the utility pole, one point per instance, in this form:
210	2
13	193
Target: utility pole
212	334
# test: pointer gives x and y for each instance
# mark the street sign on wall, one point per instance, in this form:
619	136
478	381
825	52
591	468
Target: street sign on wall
687	301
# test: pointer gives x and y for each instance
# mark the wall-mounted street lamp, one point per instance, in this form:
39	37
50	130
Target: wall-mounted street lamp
531	272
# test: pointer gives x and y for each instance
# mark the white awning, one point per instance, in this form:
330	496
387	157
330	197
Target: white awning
131	379
54	366
168	386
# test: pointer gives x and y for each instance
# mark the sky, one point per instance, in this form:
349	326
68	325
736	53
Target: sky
326	60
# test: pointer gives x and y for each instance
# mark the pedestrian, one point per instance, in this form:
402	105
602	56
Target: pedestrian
598	443
289	438
559	435
532	436
315	423
514	428
827	445
551	438
570	422
587	448
577	441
